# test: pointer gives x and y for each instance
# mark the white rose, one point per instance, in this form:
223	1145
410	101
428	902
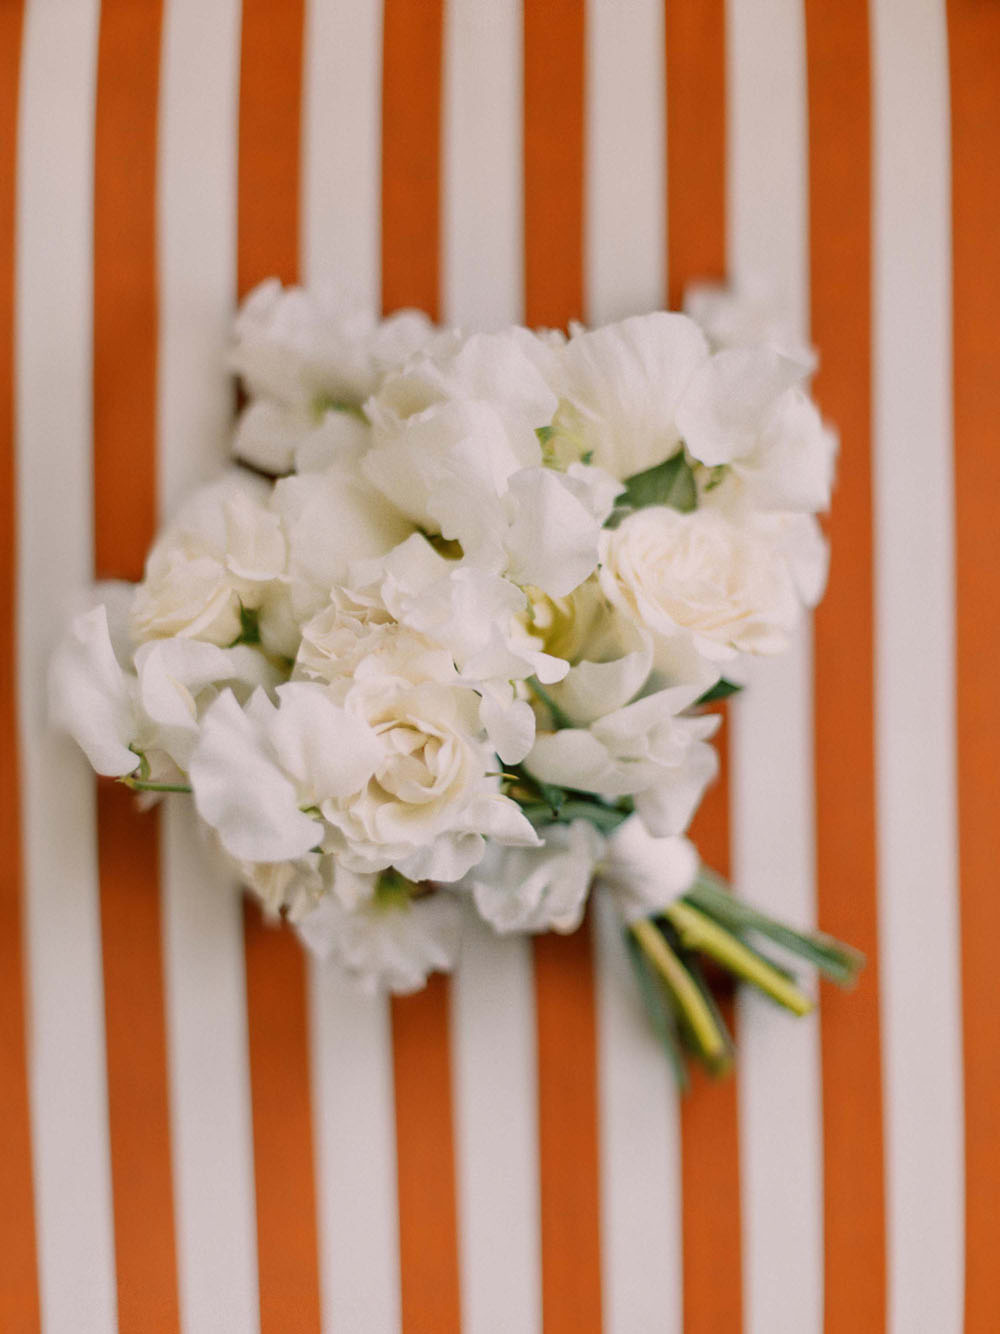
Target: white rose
433	797
224	552
698	580
356	635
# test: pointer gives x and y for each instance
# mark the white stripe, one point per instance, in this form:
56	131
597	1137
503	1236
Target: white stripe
625	232
341	148
350	1034
355	1155
493	1039
53	413
641	1243
494	1058
772	734
209	1084
482	94
915	685
625	177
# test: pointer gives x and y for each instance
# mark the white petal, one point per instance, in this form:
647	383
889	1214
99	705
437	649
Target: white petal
241	792
327	749
571	758
667	807
592	689
509	723
728	401
552	540
267	434
644	873
90	698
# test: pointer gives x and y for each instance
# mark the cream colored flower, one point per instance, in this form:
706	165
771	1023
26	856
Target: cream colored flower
697	580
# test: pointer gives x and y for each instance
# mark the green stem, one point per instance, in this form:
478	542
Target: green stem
140	785
698	932
684	990
560	718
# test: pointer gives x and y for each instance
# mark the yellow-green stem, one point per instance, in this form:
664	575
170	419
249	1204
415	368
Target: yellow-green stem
703	1025
698	932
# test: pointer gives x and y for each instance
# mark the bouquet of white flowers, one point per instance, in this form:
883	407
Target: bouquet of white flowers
441	640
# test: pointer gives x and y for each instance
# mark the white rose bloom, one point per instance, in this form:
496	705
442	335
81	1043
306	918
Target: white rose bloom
387	945
224	551
648	749
744	409
645	874
298	353
698	580
353	627
433	796
538	889
620	387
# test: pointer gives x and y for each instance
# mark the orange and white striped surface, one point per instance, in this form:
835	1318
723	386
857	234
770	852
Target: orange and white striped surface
200	1132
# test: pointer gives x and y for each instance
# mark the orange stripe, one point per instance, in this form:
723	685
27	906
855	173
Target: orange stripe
428	1230
125	334
283	1161
411	154
840	264
553	161
277	1015
18	1281
564	968
425	1156
696	248
974	38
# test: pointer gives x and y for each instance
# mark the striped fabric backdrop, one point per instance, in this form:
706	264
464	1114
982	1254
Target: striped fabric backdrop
198	1130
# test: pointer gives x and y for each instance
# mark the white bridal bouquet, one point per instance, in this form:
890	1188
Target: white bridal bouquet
441	640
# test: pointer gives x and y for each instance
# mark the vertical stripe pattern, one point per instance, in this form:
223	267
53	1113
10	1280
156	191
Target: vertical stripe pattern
974	44
268	244
840	289
772	793
18	1285
696	42
202	1131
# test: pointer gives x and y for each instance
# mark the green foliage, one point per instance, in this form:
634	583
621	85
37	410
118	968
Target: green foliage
669	483
721	690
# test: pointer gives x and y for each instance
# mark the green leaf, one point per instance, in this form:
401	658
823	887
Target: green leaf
544	434
669	483
837	961
605	818
659	1008
721	690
